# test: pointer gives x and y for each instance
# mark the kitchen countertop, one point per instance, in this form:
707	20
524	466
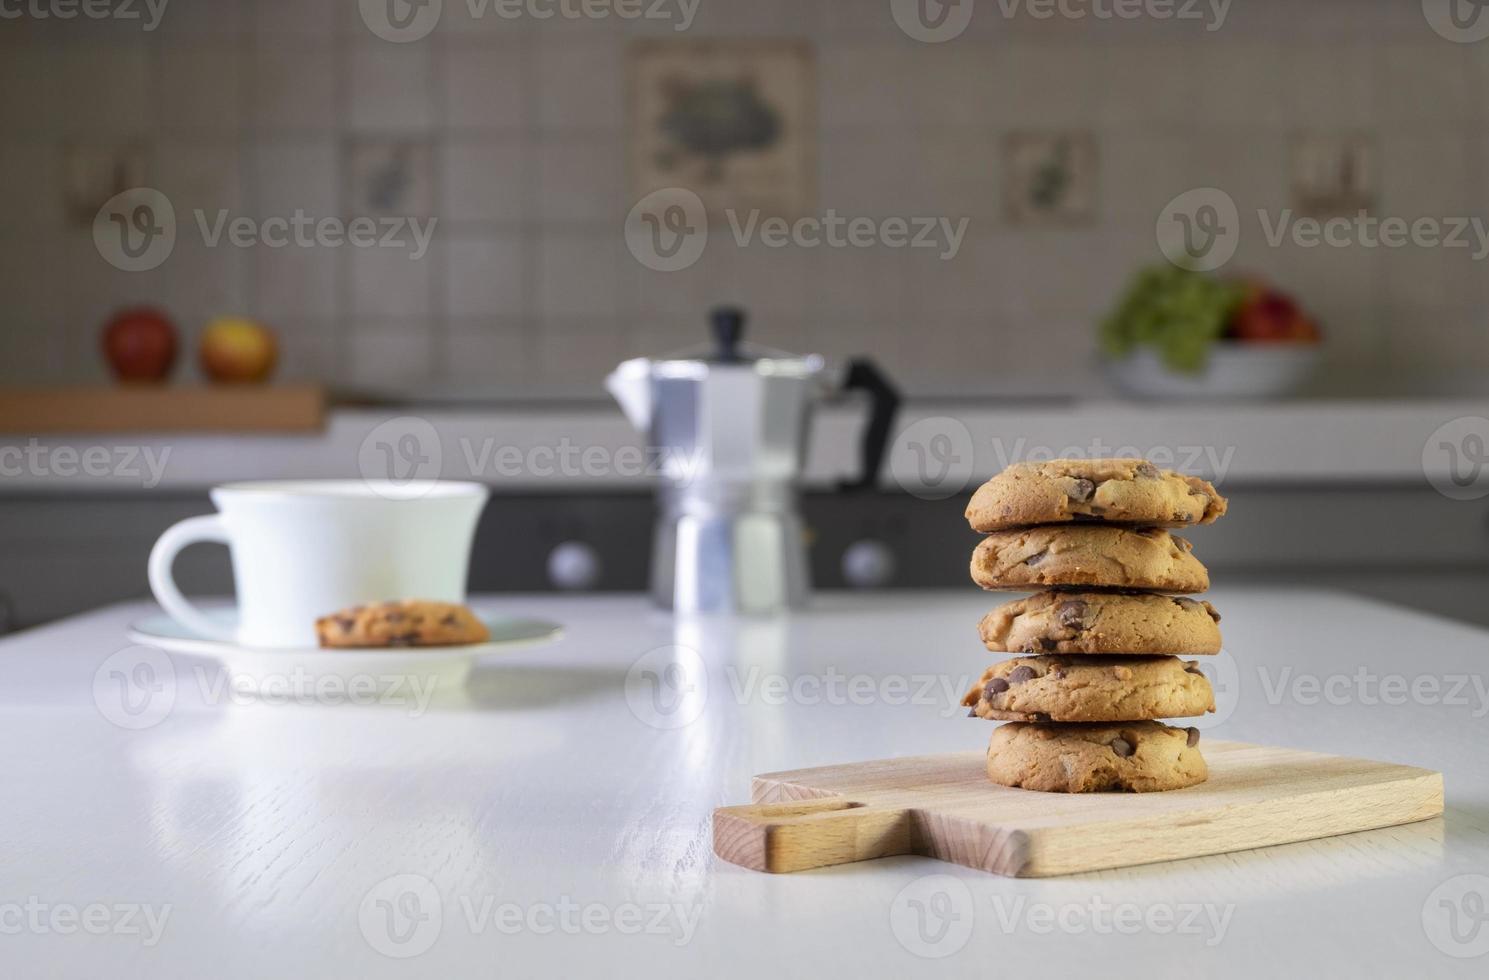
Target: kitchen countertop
943	445
549	823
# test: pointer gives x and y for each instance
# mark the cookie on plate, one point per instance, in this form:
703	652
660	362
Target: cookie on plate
1075	687
401	623
1123	491
1076	555
1138	756
1102	622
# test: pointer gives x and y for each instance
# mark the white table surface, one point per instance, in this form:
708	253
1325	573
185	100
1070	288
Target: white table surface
555	833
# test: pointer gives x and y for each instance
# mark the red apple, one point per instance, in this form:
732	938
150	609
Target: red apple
236	349
140	344
1268	316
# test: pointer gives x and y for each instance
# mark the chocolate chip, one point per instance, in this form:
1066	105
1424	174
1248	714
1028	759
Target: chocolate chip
1021	673
1122	747
403	639
1035	558
1192	667
395	617
449	620
1072	613
1185	602
1046	644
1041	717
1097	510
1193	738
1147	469
346	624
1058	674
1081	490
971	712
995	686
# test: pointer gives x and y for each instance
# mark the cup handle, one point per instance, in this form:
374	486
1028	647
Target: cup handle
163	584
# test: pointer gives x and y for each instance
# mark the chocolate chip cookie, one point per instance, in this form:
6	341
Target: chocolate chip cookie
1064	555
1139	756
401	623
1102	622
1121	491
1075	687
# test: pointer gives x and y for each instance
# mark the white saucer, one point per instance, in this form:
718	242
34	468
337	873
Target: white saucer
262	667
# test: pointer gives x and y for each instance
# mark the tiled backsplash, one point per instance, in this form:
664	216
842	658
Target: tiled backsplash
512	133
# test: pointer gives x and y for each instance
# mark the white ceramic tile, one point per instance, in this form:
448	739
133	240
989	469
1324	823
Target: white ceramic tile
866	176
29	93
486	351
294	86
578	275
686	293
31	186
103	88
580	84
1425	174
307	349
955	173
982	279
204	174
772	280
296	174
198	87
1423	84
1243	85
1140	174
388	282
483	180
484	276
952	85
193	21
93	288
864	86
1145	84
296	18
32	276
580	180
1045	86
575	354
1331	86
390	351
389	86
297	281
486	84
860	281
491	18
201	280
1254	168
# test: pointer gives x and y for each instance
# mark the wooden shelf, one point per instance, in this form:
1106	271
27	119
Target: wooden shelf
163	408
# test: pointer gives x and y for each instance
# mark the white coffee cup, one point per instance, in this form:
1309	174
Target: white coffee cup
302	549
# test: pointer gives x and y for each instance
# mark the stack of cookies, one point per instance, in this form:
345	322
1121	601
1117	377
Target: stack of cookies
1100	645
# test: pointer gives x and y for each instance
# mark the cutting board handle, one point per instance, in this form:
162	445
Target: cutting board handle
811	834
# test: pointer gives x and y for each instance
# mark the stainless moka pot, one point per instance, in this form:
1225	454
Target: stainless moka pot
729	424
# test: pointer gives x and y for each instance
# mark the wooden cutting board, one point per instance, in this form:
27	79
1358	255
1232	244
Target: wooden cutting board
943	806
163	408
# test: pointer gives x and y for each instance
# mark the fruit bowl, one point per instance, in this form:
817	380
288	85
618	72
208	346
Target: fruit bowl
1233	371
